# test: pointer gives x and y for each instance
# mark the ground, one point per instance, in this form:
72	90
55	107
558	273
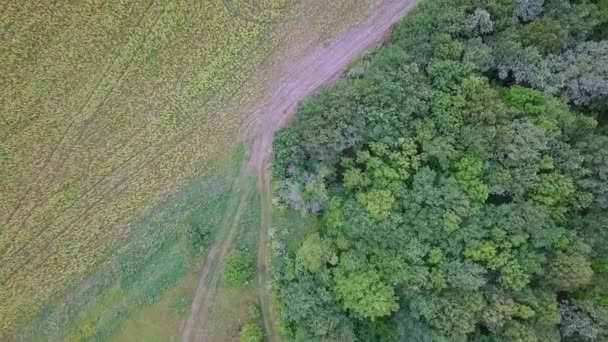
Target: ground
109	152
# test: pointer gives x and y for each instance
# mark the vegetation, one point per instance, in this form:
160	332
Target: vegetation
107	109
253	311
239	267
251	332
159	255
457	179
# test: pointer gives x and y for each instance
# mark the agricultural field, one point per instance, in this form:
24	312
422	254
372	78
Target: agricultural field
121	125
106	107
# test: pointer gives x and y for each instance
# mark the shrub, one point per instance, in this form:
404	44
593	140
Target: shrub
254	311
238	267
251	332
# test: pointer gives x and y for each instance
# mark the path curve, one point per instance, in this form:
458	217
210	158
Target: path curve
320	66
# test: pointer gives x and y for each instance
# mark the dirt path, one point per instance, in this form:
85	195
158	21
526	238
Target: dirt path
292	81
263	264
211	271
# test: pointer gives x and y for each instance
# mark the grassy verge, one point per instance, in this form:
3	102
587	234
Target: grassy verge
230	306
159	254
289	229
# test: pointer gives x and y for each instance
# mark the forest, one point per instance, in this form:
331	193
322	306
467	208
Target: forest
458	176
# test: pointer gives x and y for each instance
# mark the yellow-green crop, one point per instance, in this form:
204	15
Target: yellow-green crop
105	106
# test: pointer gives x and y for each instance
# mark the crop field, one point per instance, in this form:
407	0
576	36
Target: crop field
100	101
107	108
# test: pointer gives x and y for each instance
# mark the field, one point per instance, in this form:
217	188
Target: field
106	107
119	123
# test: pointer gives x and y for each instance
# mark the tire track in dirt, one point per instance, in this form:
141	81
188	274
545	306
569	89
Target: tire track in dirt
137	167
292	82
60	143
212	268
263	263
161	149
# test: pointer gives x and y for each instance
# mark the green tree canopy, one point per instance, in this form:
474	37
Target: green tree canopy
461	177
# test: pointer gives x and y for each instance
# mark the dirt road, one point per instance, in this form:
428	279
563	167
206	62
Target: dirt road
211	272
321	64
293	80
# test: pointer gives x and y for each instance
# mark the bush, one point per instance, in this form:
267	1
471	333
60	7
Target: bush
254	311
251	332
199	235
238	267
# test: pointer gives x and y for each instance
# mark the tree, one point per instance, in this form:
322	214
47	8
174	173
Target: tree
314	252
454	313
483	103
288	155
513	277
465	275
251	332
569	272
579	18
583	72
381	166
329	122
527	10
499	310
518	332
480	22
309	303
547	34
582	319
448	75
468	172
595	156
447	48
365	294
479	54
525	65
379	203
304	192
